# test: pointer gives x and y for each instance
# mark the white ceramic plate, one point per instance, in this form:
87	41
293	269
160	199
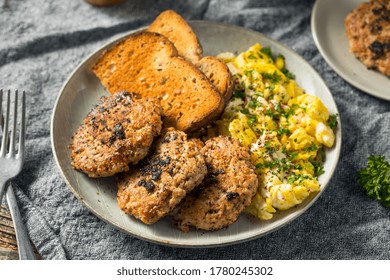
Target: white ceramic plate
327	25
82	90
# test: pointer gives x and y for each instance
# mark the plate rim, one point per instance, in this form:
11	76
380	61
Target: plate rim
177	243
314	31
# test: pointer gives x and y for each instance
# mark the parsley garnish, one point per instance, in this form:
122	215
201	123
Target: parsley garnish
238	94
318	168
251	119
332	121
296	178
248	72
288	74
282	131
312	148
271	87
290	111
273	78
375	179
267	51
251	56
253	103
293	155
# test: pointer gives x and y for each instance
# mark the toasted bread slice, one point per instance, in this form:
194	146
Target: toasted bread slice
148	63
219	74
176	29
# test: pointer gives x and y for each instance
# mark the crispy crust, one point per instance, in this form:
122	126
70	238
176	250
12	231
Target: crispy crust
176	29
219	74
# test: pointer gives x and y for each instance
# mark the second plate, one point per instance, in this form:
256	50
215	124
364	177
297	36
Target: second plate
327	25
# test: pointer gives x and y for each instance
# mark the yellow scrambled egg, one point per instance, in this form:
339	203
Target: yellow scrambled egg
284	128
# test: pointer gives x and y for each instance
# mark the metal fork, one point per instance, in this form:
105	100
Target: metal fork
11	161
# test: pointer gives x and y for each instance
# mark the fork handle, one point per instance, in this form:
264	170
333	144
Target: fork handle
24	245
2	189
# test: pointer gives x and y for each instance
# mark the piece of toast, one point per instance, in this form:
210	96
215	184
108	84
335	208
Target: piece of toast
149	64
219	74
176	29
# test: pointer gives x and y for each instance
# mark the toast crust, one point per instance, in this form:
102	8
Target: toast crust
219	74
149	64
177	30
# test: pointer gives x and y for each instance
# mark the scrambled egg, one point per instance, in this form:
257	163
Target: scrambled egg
285	129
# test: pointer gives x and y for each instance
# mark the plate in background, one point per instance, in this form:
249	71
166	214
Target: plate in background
82	90
327	26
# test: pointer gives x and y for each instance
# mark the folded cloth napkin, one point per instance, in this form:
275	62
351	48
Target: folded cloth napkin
42	41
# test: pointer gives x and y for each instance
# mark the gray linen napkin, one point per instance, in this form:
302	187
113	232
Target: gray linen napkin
42	41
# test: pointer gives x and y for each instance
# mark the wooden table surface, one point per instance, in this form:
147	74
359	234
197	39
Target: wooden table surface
8	244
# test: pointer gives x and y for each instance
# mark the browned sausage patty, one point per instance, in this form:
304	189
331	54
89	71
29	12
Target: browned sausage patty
228	188
116	133
368	31
163	179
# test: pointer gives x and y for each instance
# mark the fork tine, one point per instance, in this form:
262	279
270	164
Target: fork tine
3	149
22	133
13	132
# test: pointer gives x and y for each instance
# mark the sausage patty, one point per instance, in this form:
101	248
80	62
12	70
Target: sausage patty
117	132
368	31
228	188
163	179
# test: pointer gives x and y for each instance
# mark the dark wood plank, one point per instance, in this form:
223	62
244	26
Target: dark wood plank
8	244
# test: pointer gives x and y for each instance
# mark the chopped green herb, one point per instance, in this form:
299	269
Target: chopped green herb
258	94
320	155
298	167
282	131
238	94
271	87
296	178
290	111
288	74
318	168
253	103
332	121
273	78
278	108
267	51
312	148
293	155
248	72
252	56
251	119
270	113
